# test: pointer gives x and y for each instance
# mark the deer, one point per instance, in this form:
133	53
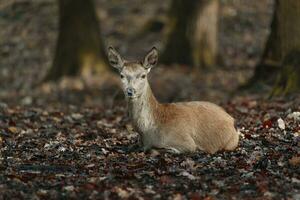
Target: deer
180	127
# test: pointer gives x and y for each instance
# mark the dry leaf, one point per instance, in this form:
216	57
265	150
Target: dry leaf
295	161
13	129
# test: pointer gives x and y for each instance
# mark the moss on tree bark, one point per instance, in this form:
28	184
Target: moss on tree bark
79	49
280	63
192	33
288	81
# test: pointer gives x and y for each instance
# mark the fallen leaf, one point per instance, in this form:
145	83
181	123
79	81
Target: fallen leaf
295	161
77	116
122	193
165	180
13	129
188	175
294	115
281	124
177	197
69	188
267	124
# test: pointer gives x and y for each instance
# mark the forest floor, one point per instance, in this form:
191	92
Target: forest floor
70	140
85	152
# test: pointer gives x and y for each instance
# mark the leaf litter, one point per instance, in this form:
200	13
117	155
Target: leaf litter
84	152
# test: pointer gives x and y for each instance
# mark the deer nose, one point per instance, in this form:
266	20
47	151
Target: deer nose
130	92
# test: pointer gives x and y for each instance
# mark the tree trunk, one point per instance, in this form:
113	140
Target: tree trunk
288	80
192	33
79	49
279	65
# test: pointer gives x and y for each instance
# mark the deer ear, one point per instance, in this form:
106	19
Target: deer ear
151	58
115	58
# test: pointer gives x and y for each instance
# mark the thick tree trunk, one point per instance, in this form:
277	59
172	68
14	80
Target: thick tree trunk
279	65
192	33
79	49
288	80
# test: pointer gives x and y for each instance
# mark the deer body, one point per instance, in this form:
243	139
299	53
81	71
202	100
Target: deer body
177	127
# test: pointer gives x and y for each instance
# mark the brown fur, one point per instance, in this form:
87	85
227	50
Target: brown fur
177	127
188	126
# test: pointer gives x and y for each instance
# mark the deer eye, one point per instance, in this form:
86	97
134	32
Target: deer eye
143	76
122	76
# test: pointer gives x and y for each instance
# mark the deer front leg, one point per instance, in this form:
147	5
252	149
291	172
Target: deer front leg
173	150
145	145
136	146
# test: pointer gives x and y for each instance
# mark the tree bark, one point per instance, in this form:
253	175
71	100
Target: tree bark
288	80
79	49
192	33
279	65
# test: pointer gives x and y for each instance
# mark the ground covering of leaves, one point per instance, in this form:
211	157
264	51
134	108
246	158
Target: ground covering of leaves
85	152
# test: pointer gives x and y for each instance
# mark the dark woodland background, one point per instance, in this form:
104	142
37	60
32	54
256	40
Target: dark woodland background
63	126
208	49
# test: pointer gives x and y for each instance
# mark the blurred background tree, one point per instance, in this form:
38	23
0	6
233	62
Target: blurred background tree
280	63
79	49
188	33
192	33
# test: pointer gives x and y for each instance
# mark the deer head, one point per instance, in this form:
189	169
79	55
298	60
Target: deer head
133	74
